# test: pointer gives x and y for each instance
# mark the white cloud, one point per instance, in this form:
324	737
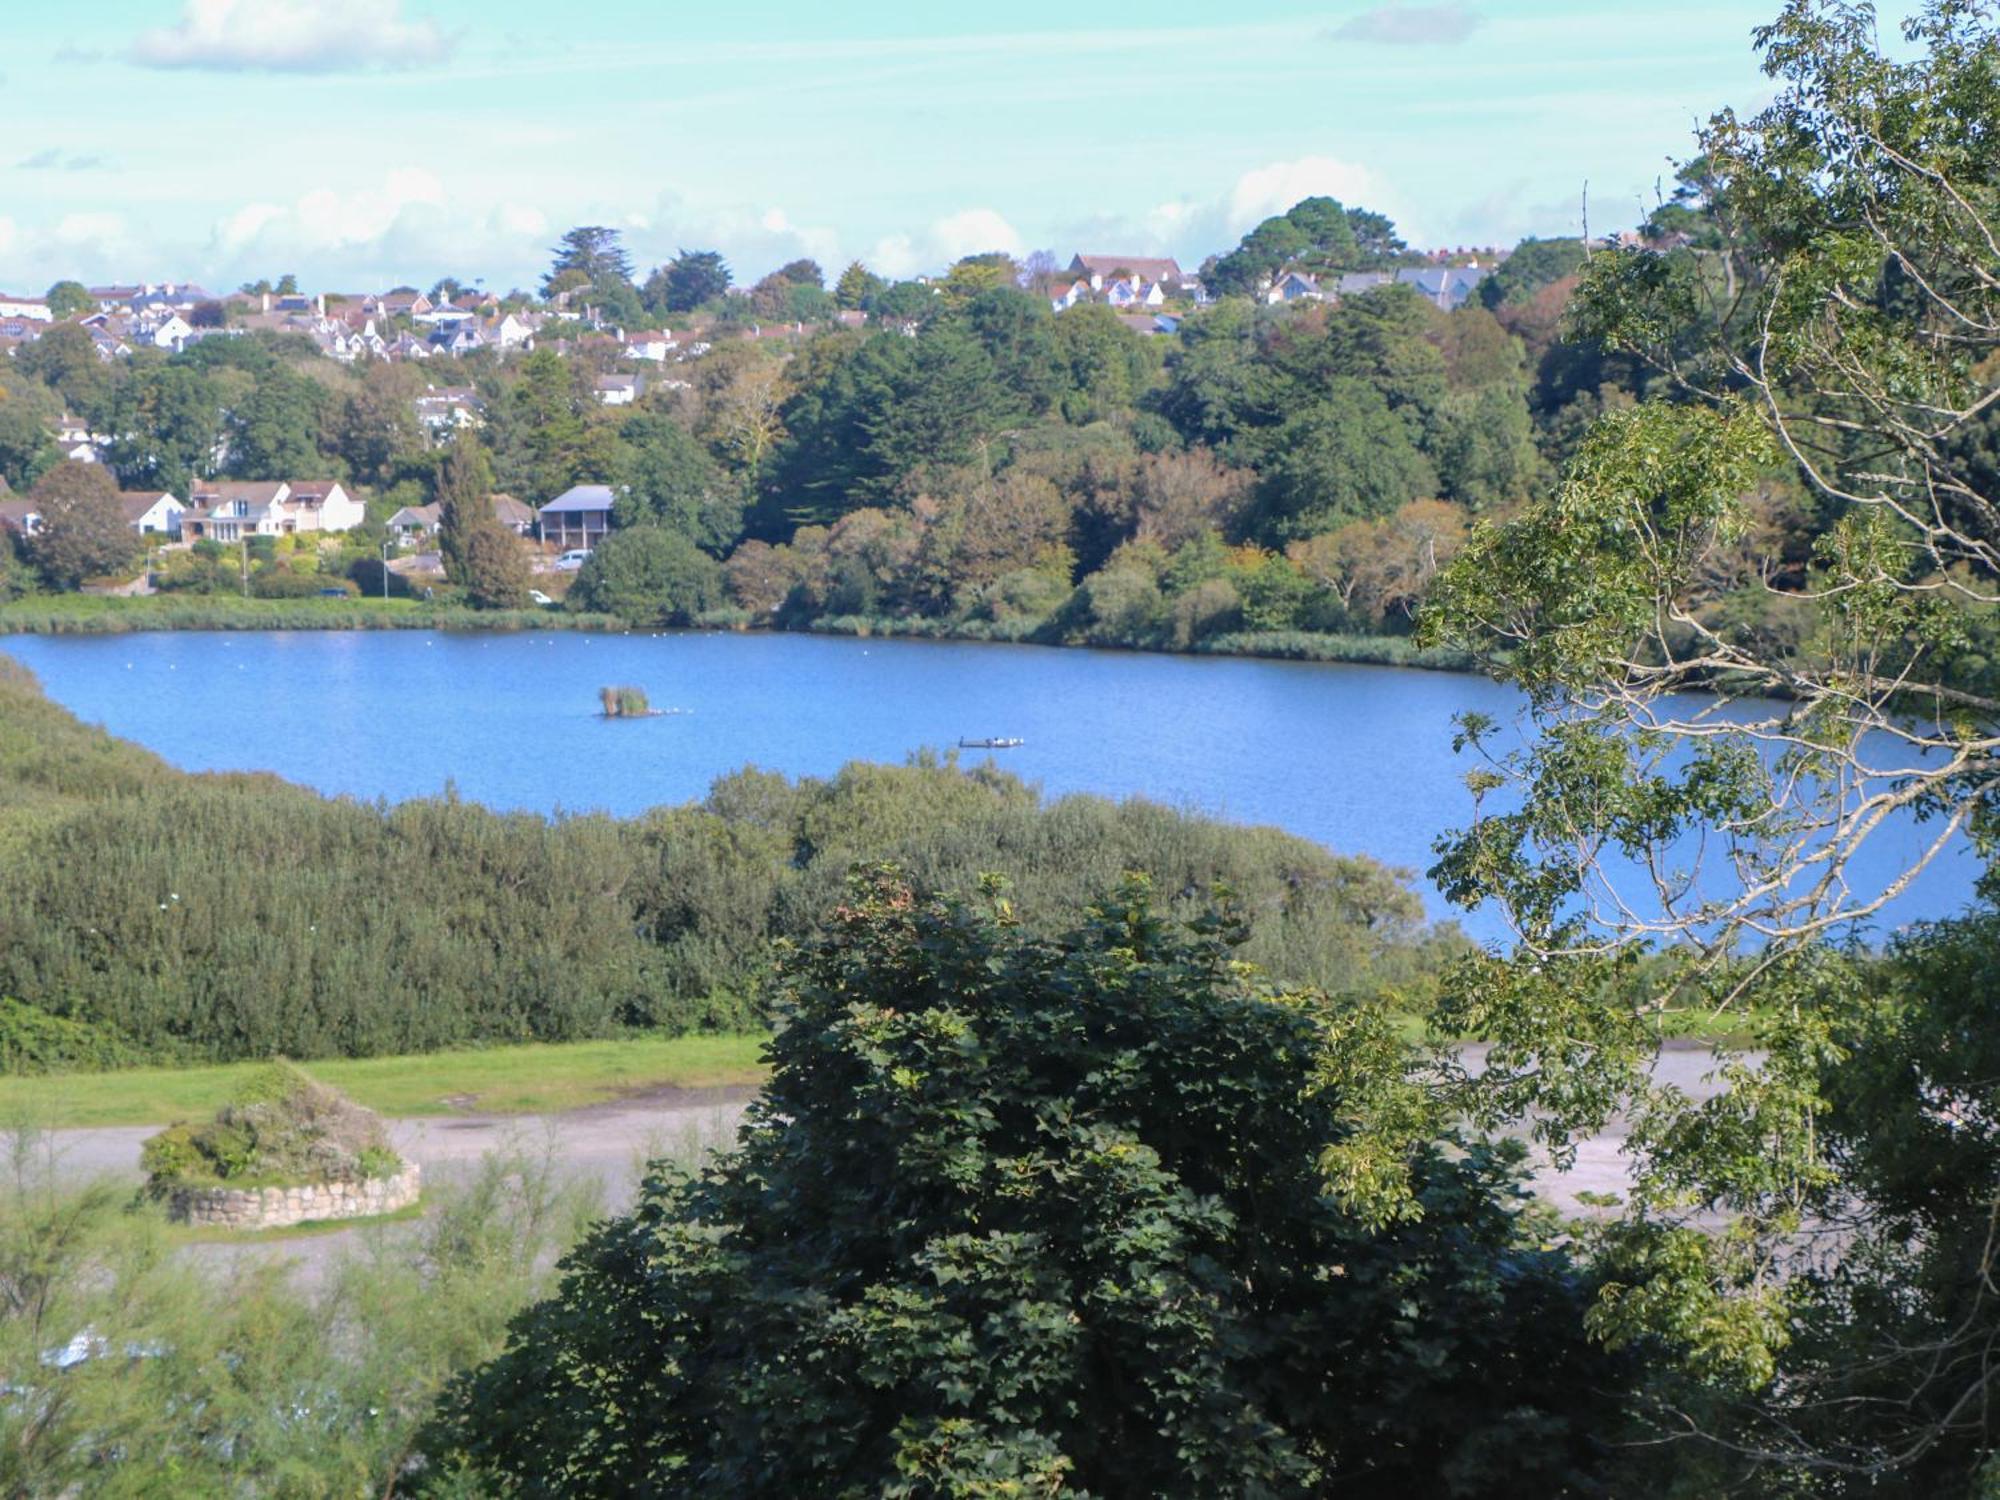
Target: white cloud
1192	228
1271	190
970	231
1399	25
294	36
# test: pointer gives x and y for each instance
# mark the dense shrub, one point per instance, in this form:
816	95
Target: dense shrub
1029	1217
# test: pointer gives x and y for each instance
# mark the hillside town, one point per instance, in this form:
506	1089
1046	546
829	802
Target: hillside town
454	331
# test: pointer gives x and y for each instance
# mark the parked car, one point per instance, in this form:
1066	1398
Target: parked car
571	560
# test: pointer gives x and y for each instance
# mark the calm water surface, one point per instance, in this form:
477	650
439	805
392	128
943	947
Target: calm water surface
1358	758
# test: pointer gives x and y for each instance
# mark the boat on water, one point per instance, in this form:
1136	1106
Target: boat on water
998	742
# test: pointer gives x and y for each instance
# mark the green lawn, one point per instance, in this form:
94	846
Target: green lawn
528	1079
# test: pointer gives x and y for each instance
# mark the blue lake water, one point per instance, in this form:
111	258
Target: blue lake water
1357	758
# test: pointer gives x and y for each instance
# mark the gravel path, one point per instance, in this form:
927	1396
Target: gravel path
613	1141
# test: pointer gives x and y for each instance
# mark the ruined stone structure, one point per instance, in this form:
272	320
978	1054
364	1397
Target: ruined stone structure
278	1207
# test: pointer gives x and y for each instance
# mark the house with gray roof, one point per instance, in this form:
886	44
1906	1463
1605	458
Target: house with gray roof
579	517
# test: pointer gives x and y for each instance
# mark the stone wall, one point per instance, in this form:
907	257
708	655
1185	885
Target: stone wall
277	1207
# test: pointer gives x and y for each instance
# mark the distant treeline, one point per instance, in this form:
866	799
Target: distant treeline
149	913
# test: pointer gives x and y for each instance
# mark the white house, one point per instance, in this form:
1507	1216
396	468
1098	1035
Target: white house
1098	269
151	512
34	309
655	347
444	409
171	333
20	516
1077	291
232	509
1294	286
619	390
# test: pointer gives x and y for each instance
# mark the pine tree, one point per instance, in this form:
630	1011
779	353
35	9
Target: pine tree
478	553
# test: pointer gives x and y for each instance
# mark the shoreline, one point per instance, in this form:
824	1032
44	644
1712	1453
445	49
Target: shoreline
74	614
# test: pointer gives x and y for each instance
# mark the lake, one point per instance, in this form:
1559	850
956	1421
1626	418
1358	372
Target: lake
1358	758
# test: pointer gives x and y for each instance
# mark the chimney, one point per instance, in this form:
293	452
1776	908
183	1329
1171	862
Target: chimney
267	302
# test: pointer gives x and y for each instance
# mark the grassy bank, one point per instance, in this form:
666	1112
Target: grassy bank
1284	645
531	1079
91	614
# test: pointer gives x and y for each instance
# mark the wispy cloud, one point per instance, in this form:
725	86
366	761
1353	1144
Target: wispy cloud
1399	25
53	159
294	36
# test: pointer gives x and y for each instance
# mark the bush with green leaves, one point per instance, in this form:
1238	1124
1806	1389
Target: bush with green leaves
282	1127
1039	1217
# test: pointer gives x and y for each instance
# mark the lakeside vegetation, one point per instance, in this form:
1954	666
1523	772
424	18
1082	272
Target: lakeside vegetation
147	915
93	614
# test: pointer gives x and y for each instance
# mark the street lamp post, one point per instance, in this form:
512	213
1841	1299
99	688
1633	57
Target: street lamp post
385	570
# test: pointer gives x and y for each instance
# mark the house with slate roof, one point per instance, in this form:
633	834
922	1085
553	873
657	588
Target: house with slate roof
579	517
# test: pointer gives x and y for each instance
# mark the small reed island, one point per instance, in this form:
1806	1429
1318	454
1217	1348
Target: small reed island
287	1150
626	703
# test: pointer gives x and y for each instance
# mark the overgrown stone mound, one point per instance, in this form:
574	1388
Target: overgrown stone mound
288	1148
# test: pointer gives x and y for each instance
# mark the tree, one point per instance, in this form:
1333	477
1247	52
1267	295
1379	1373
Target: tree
274	433
648	575
590	251
83	532
692	278
70	299
165	428
1668	852
26	448
1347	457
66	360
479	553
1532	265
856	286
670	481
1039	1216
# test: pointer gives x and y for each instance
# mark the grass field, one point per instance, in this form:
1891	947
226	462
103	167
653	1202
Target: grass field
531	1079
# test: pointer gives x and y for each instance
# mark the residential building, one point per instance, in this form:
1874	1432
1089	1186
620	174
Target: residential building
1294	286
151	512
230	510
445	409
33	309
414	523
578	517
1099	269
620	390
20	517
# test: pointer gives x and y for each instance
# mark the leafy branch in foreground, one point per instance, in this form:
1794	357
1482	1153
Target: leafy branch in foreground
1029	1217
1683	827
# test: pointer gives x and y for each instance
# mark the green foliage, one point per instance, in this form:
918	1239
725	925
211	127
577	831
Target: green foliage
136	1365
283	1127
1027	1216
1316	235
691	278
648	575
480	555
69	299
83	532
33	1041
228	917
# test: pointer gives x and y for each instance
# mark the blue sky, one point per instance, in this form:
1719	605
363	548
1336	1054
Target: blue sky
363	142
